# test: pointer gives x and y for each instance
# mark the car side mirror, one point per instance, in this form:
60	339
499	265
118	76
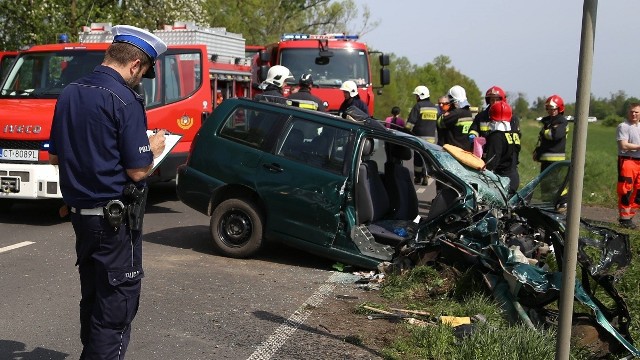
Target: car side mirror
384	60
385	77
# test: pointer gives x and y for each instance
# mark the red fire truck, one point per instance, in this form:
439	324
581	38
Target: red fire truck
331	59
201	67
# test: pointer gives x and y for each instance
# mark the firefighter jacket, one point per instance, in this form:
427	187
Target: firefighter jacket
480	125
501	155
305	94
455	128
422	120
354	101
552	139
271	94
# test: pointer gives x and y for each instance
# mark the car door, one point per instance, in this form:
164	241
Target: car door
302	181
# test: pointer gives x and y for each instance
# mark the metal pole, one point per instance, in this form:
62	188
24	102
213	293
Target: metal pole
583	96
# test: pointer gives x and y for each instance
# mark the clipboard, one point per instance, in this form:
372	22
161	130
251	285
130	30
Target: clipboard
170	141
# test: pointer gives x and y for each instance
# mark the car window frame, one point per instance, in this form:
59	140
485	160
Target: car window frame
307	157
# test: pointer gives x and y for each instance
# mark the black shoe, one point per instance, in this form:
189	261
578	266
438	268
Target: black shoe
417	180
627	224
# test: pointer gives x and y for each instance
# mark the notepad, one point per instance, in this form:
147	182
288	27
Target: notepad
170	141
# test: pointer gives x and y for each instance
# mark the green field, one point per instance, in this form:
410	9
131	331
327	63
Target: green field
600	175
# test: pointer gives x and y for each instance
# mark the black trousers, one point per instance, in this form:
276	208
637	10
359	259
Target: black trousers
110	265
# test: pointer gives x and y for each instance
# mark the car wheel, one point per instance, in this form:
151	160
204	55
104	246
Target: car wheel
236	228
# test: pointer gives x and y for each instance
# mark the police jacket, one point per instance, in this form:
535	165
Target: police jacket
422	120
99	130
455	128
552	138
305	94
354	101
272	94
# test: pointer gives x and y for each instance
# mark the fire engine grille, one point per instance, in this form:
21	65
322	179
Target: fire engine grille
22	145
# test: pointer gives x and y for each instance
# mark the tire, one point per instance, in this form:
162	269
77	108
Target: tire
5	205
236	228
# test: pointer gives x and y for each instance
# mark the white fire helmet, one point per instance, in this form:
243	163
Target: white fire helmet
277	75
457	94
422	92
350	87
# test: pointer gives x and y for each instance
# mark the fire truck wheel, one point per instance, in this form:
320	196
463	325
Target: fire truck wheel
236	228
5	205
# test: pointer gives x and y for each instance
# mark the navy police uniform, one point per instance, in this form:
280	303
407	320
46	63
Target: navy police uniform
98	132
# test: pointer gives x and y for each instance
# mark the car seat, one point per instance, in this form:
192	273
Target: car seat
399	184
293	144
371	198
373	205
443	200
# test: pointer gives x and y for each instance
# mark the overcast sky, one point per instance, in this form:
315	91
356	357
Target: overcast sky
523	46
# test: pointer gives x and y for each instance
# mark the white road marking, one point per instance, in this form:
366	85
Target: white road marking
420	190
268	348
15	246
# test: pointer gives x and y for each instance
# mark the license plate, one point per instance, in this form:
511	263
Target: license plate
18	155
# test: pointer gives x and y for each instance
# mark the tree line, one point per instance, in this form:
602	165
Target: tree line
29	22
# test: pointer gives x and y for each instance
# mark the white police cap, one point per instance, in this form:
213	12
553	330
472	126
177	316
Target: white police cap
152	45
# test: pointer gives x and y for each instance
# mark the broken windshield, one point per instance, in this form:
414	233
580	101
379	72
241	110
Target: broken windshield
45	74
345	64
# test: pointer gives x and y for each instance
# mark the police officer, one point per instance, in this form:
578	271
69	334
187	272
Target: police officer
273	86
99	141
304	93
422	123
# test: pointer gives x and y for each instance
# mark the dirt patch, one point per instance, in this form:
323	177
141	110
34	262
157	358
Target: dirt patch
361	338
599	214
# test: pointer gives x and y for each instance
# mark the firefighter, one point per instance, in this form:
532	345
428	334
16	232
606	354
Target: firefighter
422	123
628	136
351	98
552	140
457	121
480	125
304	93
443	109
503	145
272	86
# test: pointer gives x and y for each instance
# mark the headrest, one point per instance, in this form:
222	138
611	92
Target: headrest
367	147
400	152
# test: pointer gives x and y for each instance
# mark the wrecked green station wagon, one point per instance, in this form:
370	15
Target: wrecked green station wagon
339	188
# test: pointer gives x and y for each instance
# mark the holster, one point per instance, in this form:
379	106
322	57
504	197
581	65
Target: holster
137	202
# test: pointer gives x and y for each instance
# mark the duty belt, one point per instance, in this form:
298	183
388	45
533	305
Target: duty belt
99	211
